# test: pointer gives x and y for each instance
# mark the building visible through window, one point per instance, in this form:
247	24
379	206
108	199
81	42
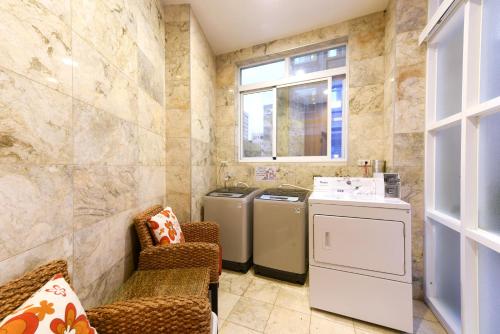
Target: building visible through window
294	108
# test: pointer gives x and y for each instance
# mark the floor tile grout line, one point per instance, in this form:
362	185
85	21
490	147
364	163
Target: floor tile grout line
241	325
268	318
355	325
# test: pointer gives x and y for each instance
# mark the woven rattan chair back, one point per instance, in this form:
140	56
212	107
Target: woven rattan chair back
14	293
141	226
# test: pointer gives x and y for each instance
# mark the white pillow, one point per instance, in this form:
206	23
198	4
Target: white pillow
55	308
165	228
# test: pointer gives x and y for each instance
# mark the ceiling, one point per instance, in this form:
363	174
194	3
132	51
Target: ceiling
234	24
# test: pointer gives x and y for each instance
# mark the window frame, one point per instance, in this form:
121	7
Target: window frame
289	80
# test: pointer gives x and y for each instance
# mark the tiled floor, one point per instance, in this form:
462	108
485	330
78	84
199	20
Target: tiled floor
255	304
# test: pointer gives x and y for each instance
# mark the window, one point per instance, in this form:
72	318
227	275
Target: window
318	61
260	73
293	109
257	123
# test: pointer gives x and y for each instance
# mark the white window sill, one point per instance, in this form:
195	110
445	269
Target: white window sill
340	162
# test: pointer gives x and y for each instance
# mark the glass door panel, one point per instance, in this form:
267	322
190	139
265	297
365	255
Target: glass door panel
490	50
488	173
449	51
489	293
446	280
447	185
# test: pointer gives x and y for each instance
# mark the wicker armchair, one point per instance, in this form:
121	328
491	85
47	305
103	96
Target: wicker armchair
201	249
145	315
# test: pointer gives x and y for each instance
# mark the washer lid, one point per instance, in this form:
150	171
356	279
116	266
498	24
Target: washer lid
269	197
231	195
232	192
284	195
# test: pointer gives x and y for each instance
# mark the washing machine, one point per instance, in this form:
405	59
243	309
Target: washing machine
360	252
280	234
232	209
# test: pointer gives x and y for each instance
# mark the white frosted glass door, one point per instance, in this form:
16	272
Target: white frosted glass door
462	179
447	171
449	51
490	50
489	292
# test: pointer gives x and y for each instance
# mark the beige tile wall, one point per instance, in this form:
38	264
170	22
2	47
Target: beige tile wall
386	105
366	100
190	84
82	134
203	164
389	82
406	105
178	108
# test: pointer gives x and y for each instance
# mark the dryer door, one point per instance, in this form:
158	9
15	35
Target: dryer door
369	244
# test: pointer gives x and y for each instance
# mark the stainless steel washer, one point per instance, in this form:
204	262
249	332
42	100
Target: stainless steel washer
280	234
232	209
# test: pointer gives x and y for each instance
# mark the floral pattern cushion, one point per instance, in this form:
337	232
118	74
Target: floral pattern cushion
55	309
165	228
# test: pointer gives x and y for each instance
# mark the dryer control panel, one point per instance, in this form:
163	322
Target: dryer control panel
350	186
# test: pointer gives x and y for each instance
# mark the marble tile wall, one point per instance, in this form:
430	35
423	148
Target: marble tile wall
389	82
178	108
203	164
366	38
82	134
406	105
386	105
190	84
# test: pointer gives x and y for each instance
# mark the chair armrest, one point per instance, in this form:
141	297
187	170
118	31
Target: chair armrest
153	315
183	255
14	293
201	232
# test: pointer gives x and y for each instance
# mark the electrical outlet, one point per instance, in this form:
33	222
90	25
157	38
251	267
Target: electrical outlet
363	163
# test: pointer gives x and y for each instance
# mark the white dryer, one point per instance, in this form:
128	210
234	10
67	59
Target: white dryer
360	252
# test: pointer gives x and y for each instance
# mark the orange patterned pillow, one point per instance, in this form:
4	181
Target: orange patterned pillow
54	309
165	228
